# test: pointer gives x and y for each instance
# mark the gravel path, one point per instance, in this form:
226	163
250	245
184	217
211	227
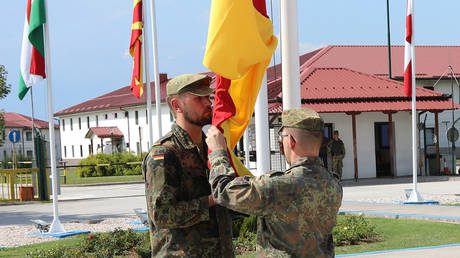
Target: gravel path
13	236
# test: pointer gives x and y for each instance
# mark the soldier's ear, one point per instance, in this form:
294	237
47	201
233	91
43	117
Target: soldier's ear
292	142
175	104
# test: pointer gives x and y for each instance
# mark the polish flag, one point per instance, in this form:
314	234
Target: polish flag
408	73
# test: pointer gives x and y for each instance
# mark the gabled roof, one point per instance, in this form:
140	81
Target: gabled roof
15	120
118	98
430	61
345	90
104	132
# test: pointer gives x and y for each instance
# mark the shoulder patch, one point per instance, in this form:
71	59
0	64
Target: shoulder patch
158	157
156	144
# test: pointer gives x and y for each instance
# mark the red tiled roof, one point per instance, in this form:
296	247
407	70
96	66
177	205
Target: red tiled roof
430	61
104	132
344	90
15	120
118	98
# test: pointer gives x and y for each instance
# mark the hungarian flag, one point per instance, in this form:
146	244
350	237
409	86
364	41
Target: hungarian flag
135	49
408	73
239	48
33	47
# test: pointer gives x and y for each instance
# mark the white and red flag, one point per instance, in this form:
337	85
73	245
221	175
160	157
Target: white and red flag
408	50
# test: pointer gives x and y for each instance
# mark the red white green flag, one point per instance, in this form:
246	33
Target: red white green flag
33	47
135	49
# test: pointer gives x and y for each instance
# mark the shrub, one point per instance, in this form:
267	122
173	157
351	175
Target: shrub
350	230
112	170
118	242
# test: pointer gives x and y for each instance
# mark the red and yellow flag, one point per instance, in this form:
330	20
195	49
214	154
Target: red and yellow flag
135	49
239	48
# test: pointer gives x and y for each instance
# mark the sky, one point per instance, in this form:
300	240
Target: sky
89	39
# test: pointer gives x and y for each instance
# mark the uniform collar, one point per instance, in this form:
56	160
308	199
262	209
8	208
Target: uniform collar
183	137
306	161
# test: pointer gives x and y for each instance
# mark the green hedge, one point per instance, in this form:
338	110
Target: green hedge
112	170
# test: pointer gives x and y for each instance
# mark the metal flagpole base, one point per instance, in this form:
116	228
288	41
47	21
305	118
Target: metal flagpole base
415	196
56	227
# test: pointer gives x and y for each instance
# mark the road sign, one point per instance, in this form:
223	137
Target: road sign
452	134
14	136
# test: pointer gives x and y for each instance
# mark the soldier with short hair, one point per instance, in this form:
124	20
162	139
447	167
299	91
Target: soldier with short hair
337	150
296	209
184	220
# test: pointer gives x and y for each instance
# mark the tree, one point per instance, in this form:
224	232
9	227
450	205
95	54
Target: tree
4	91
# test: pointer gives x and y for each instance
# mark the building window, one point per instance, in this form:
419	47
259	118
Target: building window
90	151
30	153
71	124
115	115
63	125
136	116
126	114
73	151
28	136
65	151
106	116
4	154
3	135
430	136
146	117
79	123
87	121
97	121
81	150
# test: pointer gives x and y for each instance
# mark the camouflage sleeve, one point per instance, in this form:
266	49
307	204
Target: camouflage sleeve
162	186
248	195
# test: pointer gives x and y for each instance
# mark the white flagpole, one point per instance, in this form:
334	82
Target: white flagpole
262	137
155	67
147	76
56	226
414	196
290	54
247	162
34	162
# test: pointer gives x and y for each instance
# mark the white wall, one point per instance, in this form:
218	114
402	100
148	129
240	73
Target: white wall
76	137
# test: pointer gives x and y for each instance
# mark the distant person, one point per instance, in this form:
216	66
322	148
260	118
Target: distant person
296	209
323	151
184	220
337	154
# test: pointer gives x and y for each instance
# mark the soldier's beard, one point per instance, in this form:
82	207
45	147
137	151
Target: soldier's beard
202	120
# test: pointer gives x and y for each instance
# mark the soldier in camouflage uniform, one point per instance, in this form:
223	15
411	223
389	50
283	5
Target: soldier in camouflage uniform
184	221
296	209
337	150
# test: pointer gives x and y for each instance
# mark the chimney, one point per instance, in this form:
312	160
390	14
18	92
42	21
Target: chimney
163	77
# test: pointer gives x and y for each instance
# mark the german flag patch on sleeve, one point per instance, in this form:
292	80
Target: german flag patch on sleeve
158	157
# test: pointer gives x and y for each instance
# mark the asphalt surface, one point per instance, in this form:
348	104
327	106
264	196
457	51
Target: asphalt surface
370	197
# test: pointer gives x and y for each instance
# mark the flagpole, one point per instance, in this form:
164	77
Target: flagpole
262	137
155	67
33	131
290	54
414	196
147	76
56	226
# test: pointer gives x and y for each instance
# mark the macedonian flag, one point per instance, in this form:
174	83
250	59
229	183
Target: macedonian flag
239	48
135	49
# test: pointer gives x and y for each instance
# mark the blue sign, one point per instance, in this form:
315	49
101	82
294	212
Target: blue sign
14	136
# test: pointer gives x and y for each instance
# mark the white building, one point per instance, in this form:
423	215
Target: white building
87	127
23	124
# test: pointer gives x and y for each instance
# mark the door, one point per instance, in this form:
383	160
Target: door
382	149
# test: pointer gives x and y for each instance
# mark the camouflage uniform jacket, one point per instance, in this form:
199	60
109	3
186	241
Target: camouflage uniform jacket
296	209
337	149
177	189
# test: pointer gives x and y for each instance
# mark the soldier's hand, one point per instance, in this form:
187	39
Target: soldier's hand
211	201
215	139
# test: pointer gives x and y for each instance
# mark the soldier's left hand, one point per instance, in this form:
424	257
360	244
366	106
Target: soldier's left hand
215	139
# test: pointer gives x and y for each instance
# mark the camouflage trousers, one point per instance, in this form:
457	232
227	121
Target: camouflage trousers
337	166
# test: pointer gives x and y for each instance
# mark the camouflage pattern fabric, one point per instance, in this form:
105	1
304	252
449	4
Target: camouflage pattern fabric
337	151
296	209
302	118
176	188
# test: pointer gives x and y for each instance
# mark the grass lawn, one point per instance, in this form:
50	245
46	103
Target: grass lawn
397	234
400	234
73	178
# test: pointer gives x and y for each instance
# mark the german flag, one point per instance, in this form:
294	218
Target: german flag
135	49
239	48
